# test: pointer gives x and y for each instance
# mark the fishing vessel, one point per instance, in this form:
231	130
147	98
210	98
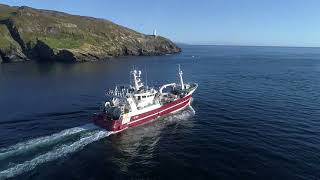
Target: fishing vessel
136	104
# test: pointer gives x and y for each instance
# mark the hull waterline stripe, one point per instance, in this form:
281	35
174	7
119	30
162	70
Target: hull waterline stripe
178	108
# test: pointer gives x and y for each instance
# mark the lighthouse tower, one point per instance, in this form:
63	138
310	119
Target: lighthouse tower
154	32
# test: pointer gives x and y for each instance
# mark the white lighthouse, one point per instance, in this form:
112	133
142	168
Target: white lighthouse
154	32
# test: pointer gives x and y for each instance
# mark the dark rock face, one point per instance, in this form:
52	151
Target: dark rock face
27	33
43	52
66	56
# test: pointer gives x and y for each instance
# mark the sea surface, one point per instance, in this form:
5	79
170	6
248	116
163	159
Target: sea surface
255	115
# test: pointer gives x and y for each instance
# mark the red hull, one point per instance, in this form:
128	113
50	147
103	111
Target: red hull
116	125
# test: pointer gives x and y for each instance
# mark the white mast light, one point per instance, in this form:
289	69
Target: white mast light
181	80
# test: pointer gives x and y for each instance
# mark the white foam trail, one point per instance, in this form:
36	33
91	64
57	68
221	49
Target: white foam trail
54	154
185	114
30	144
64	149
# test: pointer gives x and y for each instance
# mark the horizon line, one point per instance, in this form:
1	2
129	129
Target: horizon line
241	45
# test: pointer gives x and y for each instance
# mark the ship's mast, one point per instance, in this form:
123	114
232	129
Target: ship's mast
145	69
137	79
181	79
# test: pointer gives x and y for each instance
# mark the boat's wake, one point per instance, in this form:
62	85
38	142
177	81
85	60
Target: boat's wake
26	156
29	145
85	135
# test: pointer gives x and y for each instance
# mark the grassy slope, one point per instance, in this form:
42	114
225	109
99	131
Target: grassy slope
6	42
6	11
62	31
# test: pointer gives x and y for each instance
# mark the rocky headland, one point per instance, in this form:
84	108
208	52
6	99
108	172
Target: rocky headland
33	34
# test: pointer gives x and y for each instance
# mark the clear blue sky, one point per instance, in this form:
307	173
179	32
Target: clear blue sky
232	22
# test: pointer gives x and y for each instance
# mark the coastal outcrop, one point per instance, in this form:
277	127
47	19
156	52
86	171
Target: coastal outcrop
33	34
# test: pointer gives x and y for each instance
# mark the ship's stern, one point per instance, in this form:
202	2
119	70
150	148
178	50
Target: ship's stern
105	122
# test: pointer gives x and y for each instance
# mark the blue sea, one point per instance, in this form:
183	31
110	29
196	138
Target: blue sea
255	115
